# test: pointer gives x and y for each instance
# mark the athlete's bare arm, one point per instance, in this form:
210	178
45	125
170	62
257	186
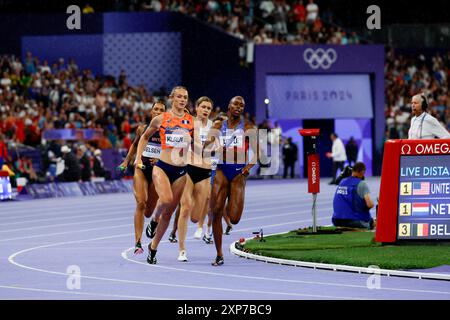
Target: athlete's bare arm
151	129
132	152
252	133
214	133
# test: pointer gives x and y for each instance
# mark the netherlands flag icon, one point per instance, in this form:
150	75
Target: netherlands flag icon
421	229
420	209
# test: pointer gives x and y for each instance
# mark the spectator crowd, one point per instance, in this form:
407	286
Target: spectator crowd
406	76
259	21
39	95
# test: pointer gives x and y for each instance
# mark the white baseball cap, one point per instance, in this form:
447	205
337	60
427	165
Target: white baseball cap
65	149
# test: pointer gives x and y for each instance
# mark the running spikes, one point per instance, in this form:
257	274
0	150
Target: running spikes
182	256
151	258
198	233
151	229
218	262
173	238
207	240
228	230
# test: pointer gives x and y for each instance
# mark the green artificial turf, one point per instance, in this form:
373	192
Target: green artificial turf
352	248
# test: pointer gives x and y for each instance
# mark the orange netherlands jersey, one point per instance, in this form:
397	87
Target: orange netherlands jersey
172	128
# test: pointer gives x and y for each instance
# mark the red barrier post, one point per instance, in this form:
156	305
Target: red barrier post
313	168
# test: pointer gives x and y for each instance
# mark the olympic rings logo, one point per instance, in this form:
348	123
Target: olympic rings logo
320	58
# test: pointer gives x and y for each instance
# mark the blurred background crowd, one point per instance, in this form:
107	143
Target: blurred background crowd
37	95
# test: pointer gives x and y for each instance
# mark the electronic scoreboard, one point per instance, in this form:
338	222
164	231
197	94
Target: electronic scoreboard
414	202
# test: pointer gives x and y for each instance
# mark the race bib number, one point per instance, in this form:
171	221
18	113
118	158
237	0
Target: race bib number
203	137
175	140
152	151
232	141
214	162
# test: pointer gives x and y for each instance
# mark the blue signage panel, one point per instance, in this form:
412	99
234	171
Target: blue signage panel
424	197
321	96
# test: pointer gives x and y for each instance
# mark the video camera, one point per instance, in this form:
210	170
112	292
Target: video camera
347	172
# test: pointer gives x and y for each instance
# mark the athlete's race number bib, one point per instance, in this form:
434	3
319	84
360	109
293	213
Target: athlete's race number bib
232	141
152	151
176	140
214	162
203	137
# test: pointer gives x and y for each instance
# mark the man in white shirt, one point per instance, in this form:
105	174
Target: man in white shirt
267	7
338	154
423	124
312	11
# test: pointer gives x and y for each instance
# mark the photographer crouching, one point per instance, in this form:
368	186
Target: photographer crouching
352	200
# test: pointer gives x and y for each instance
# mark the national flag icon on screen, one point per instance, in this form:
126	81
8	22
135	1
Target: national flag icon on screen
420	209
421	229
421	188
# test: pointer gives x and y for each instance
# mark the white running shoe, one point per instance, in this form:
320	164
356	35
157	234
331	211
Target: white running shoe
182	256
198	233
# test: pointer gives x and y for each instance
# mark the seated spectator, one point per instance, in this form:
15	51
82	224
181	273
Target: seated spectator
85	163
104	142
4	157
352	201
99	167
24	168
72	170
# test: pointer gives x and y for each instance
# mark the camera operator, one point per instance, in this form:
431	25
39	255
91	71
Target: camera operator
352	200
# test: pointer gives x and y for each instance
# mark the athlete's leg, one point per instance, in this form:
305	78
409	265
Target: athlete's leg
165	208
205	211
164	190
152	199
140	189
202	191
173	236
207	237
187	204
219	196
201	221
227	221
236	200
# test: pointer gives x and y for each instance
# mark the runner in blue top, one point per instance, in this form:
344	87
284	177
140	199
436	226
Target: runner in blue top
229	183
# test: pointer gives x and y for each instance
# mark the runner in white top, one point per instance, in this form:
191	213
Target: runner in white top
197	189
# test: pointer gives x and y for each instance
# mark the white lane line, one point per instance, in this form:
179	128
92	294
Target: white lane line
66	224
130	214
13	256
125	256
79	293
68	232
52	211
129	209
25	207
253	201
63	216
299	212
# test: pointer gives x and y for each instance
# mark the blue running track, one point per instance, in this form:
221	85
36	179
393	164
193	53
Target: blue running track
40	239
